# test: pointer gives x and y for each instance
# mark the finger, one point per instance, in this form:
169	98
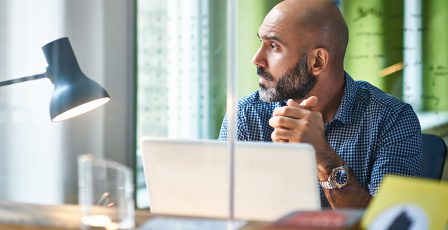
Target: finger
279	140
308	103
293	103
283	122
291	112
280	135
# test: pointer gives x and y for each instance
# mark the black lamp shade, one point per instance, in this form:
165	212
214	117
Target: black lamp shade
74	93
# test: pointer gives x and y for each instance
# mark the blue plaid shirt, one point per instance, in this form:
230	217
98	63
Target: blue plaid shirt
374	133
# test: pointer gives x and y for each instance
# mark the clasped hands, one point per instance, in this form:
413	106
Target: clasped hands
298	123
301	123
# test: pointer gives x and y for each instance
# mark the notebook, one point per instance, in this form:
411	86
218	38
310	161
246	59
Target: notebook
191	178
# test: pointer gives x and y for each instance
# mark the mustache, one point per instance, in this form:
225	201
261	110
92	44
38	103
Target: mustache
264	74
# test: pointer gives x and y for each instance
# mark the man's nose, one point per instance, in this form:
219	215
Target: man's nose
259	58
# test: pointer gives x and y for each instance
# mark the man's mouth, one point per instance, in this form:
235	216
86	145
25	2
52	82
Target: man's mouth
263	77
262	73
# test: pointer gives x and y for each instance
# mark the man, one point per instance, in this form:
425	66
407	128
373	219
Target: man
359	132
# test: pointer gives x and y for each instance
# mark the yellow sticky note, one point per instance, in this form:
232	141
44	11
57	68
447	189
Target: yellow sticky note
402	202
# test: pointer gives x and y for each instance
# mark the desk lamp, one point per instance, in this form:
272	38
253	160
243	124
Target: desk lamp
74	93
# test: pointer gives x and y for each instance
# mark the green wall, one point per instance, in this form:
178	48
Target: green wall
250	16
365	52
376	41
435	53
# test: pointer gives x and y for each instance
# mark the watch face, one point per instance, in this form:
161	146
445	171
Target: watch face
341	177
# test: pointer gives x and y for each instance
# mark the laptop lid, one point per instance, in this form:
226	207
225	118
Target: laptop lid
192	178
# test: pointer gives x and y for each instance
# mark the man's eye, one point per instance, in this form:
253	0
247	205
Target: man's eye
273	45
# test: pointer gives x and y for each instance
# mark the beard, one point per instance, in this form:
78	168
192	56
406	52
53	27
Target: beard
296	83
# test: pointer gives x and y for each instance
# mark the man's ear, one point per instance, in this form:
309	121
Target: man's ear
319	62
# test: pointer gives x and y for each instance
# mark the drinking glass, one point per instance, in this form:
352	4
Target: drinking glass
105	194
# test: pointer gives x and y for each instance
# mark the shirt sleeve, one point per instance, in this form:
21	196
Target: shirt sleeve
241	129
223	130
399	149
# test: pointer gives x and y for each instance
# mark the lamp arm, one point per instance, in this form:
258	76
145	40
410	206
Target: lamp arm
29	78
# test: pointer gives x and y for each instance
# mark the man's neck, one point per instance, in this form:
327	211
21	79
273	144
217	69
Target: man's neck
329	92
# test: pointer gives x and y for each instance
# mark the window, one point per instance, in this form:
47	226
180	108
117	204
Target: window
181	72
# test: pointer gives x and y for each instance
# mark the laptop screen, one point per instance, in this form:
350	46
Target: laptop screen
191	178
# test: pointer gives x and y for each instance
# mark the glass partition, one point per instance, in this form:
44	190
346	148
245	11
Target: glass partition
181	50
181	71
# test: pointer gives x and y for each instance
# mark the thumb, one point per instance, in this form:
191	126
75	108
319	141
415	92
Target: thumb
293	103
309	103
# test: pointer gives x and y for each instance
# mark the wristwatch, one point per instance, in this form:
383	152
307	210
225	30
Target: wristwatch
338	178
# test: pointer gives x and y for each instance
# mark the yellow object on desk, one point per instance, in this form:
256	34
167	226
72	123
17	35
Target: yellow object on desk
403	202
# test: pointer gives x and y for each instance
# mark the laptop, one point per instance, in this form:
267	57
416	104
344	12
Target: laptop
191	178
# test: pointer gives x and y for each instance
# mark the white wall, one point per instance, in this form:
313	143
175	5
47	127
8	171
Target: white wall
38	157
30	144
104	30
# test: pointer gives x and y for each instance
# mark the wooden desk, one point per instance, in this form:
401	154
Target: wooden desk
33	216
19	216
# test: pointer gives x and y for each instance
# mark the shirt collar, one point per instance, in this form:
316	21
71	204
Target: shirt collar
343	112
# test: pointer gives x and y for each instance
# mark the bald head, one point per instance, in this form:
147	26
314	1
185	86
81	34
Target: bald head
315	23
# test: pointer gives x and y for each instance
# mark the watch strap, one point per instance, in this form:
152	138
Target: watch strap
326	185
